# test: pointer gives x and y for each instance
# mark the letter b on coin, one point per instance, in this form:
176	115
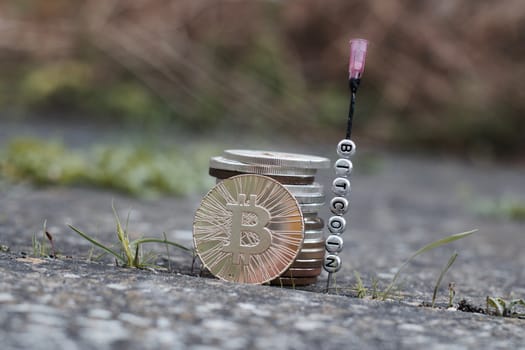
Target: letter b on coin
239	226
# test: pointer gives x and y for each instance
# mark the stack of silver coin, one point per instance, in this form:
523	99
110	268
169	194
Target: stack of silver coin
296	172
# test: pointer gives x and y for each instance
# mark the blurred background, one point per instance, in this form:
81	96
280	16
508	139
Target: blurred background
441	77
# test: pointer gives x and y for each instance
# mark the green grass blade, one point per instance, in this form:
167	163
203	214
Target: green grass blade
359	286
161	241
43	244
519	302
120	232
97	243
123	238
36	246
441	275
426	248
497	304
441	242
167	251
136	259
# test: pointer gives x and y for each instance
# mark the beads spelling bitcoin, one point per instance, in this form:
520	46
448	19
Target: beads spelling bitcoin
339	206
343	166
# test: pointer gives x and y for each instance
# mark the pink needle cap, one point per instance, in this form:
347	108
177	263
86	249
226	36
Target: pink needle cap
357	57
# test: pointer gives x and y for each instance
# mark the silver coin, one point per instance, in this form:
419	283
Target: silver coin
312	222
307	263
295	160
311	207
302	272
260	169
313	244
313	234
311	253
313	241
305	189
310	198
293	281
221	174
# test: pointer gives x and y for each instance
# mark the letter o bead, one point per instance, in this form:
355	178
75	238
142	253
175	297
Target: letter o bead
336	224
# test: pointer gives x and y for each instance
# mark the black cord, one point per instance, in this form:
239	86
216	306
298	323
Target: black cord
354	84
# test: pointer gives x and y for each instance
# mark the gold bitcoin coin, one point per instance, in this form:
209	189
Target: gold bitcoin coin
248	229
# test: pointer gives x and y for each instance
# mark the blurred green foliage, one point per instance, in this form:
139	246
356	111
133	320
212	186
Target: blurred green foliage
133	169
506	207
431	82
49	84
72	86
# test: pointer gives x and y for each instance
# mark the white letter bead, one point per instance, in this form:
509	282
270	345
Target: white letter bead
334	244
343	167
336	224
346	148
339	205
332	263
341	186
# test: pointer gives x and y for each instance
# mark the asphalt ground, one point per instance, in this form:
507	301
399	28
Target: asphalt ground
399	203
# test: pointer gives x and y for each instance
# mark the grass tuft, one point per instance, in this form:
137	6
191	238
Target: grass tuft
40	249
441	275
361	290
505	308
133	169
506	207
433	245
130	254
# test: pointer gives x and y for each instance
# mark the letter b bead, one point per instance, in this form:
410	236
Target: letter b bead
346	148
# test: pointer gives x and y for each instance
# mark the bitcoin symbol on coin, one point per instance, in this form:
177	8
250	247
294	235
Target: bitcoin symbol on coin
248	229
238	227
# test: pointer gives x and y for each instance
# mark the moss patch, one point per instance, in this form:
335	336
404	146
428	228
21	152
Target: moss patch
133	169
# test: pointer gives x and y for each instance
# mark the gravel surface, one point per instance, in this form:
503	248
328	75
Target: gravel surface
398	204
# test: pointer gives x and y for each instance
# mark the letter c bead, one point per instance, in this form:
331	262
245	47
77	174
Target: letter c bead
339	205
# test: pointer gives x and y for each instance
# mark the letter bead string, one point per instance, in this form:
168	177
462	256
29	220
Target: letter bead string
339	207
343	166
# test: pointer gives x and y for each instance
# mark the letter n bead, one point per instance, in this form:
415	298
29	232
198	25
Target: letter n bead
332	263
